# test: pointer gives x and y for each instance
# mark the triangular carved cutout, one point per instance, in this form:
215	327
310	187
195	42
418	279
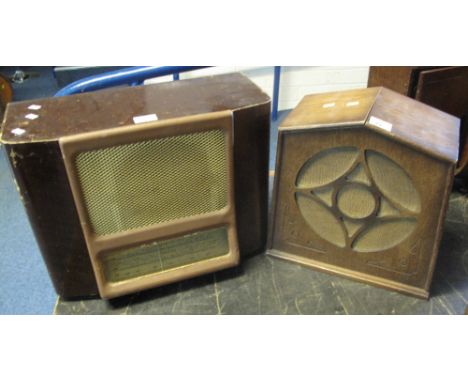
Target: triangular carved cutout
387	210
325	195
359	175
351	226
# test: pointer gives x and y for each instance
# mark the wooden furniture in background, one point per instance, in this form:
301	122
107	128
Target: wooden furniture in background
6	95
443	87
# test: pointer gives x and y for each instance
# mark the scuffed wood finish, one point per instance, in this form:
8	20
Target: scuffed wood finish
413	123
419	125
345	108
406	132
441	87
64	116
53	216
37	161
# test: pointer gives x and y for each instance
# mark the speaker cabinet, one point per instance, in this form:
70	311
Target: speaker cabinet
132	188
361	187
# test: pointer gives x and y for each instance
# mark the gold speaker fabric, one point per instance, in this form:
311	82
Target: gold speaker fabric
349	208
140	184
321	220
326	167
384	234
355	201
393	181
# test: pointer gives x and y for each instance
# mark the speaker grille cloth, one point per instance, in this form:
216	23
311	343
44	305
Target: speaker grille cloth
326	167
144	183
321	220
384	234
375	216
355	201
393	181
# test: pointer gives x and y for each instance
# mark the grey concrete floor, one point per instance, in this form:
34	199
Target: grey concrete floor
265	285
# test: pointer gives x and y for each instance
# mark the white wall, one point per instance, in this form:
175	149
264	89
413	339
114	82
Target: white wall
296	81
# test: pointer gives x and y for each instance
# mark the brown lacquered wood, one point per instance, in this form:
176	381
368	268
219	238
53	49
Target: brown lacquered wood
408	265
46	195
38	165
441	87
332	109
414	123
110	108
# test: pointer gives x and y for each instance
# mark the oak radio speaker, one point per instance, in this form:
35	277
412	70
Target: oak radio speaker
129	189
362	185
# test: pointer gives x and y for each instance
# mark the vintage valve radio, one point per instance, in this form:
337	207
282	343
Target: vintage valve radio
132	188
362	185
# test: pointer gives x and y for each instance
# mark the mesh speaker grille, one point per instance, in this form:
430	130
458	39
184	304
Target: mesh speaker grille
384	234
321	220
144	183
355	201
375	216
326	167
393	181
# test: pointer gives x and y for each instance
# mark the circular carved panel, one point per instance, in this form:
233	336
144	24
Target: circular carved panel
363	201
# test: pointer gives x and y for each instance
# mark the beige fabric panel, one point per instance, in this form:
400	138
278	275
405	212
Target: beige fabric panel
140	184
